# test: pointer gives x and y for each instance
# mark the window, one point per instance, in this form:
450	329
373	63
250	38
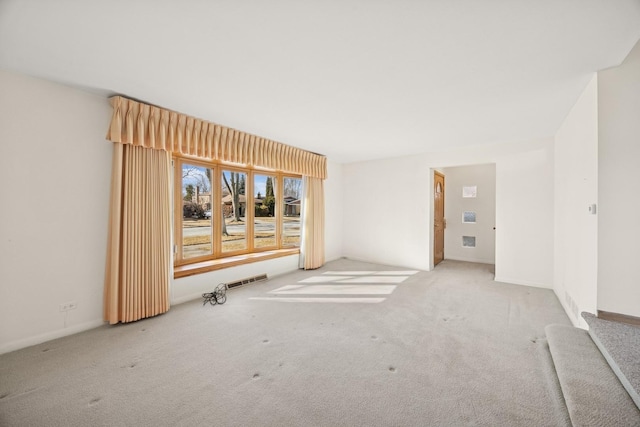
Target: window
468	241
264	224
469	217
233	199
196	211
469	191
224	211
291	193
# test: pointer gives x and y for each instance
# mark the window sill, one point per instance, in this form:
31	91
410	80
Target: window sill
219	264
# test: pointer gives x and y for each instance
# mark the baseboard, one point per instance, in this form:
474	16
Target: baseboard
39	339
386	264
521	283
577	322
476	261
333	259
617	317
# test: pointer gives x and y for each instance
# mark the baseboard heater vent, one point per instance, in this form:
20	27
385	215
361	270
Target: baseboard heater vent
258	278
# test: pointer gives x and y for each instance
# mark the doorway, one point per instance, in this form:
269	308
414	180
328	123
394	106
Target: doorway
439	223
470	208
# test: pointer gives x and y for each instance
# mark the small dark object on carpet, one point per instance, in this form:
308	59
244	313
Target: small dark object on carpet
218	296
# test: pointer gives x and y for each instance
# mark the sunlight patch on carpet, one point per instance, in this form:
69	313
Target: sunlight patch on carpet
336	290
369	273
342	284
374	279
324	279
324	300
350	273
397	273
351	279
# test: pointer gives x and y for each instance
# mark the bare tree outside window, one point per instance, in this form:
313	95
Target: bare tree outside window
234	206
196	211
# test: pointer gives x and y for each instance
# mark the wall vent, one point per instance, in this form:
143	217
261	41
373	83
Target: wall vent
571	304
258	278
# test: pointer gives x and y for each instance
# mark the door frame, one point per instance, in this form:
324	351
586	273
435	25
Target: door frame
431	207
444	221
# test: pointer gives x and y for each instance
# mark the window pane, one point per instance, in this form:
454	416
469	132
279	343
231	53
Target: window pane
291	194
234	206
196	211
469	216
470	191
264	227
469	241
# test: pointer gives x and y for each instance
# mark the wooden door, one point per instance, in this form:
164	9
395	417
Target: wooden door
439	223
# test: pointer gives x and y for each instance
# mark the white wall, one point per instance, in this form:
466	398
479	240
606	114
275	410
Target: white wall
484	205
524	217
55	168
576	188
55	172
386	211
396	196
618	180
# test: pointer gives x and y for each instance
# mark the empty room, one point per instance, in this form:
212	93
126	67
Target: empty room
354	213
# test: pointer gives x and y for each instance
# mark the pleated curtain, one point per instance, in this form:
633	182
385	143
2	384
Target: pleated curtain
139	244
312	239
148	126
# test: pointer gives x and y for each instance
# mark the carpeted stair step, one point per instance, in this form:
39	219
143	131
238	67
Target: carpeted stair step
619	343
593	394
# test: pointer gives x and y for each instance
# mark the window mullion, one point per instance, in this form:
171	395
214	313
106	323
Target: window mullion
249	211
277	190
217	211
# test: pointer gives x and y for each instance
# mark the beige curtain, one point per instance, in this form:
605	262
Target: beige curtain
139	246
312	244
148	126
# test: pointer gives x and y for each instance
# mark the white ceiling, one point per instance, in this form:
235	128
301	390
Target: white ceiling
352	79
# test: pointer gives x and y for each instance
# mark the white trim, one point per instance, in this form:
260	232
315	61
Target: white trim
521	283
187	298
48	336
474	260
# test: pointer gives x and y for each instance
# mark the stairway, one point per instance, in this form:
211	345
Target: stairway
589	377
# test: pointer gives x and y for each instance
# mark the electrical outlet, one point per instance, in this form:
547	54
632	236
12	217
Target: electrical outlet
72	305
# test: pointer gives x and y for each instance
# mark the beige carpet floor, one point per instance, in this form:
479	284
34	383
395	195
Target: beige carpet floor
351	344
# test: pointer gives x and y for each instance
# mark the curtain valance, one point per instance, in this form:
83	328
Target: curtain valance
149	126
